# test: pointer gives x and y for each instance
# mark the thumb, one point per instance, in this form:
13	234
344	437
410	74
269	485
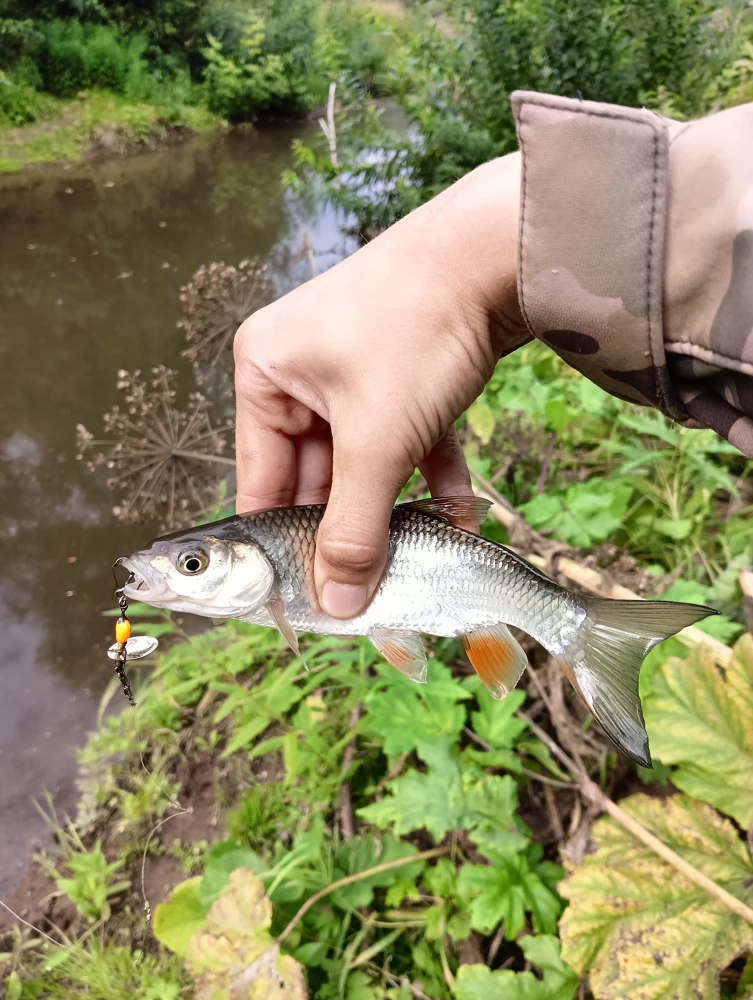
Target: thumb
352	540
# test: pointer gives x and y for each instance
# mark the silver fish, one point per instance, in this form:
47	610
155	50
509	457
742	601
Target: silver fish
440	580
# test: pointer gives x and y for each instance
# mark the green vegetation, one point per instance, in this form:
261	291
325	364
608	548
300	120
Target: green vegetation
167	66
410	817
339	829
459	66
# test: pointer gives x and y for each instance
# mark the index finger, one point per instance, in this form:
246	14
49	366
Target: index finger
265	454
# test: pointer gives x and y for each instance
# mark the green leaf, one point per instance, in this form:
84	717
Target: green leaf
496	722
359	854
478	982
505	891
13	986
745	986
433	801
636	925
699	718
178	919
677	528
405	715
234	954
481	418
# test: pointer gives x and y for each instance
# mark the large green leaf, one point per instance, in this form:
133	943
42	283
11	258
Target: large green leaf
448	798
700	718
234	957
506	890
478	982
405	714
639	928
433	801
360	853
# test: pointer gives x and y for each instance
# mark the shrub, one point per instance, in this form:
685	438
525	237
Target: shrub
268	73
459	75
21	104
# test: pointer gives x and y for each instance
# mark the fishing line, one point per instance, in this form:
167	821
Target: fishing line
126	645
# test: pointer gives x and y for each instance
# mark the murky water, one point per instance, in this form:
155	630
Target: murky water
91	262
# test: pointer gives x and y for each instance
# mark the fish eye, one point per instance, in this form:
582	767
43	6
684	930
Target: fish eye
193	562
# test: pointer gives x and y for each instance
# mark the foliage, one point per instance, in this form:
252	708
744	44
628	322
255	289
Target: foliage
267	74
21	104
701	720
635	924
460	69
558	982
641	929
92	882
613	471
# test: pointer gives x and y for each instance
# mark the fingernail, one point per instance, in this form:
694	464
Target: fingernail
343	600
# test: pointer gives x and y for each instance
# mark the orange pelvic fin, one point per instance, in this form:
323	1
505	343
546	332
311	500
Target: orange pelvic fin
496	657
404	650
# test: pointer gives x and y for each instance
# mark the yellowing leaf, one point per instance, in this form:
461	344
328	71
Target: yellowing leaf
178	919
481	418
234	957
639	928
700	717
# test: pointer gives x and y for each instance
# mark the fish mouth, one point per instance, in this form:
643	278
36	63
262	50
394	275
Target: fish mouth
144	583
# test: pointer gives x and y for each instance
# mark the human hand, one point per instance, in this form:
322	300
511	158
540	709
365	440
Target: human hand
351	381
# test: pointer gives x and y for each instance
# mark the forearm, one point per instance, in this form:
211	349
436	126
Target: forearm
636	253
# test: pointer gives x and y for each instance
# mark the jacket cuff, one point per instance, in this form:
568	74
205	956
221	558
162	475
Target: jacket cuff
594	198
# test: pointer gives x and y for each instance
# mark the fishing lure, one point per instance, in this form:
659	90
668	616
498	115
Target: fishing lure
127	646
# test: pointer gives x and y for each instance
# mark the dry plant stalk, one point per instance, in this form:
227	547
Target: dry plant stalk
163	461
217	299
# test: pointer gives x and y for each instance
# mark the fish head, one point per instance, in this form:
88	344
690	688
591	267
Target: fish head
200	573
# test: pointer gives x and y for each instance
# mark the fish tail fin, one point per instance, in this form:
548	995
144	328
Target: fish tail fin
614	639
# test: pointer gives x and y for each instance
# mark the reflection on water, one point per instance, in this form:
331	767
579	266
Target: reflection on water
91	262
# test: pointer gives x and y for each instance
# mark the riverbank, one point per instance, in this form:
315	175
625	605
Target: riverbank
99	124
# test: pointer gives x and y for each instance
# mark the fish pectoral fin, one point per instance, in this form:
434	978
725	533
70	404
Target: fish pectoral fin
404	650
276	607
497	658
459	511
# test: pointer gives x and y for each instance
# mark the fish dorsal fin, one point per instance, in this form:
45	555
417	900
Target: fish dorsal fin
497	658
459	511
404	650
276	607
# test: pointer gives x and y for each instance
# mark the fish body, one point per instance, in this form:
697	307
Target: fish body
439	580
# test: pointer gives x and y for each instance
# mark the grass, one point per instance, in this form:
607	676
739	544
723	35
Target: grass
99	122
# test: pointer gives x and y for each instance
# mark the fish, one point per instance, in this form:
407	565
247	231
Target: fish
440	579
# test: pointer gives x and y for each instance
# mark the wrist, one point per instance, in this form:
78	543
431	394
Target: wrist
482	213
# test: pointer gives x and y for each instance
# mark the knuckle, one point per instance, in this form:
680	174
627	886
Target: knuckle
248	338
351	555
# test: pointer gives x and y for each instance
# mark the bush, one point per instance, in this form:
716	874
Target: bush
268	72
73	56
21	104
459	75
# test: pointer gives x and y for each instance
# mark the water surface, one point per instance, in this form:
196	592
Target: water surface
91	263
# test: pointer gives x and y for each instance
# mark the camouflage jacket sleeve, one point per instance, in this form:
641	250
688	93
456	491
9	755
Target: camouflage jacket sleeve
636	253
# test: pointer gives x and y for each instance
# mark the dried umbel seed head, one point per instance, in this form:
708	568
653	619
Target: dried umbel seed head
216	301
166	463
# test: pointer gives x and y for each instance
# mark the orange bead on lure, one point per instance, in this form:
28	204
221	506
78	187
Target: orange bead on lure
127	646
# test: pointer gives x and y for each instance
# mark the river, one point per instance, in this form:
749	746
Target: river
91	263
